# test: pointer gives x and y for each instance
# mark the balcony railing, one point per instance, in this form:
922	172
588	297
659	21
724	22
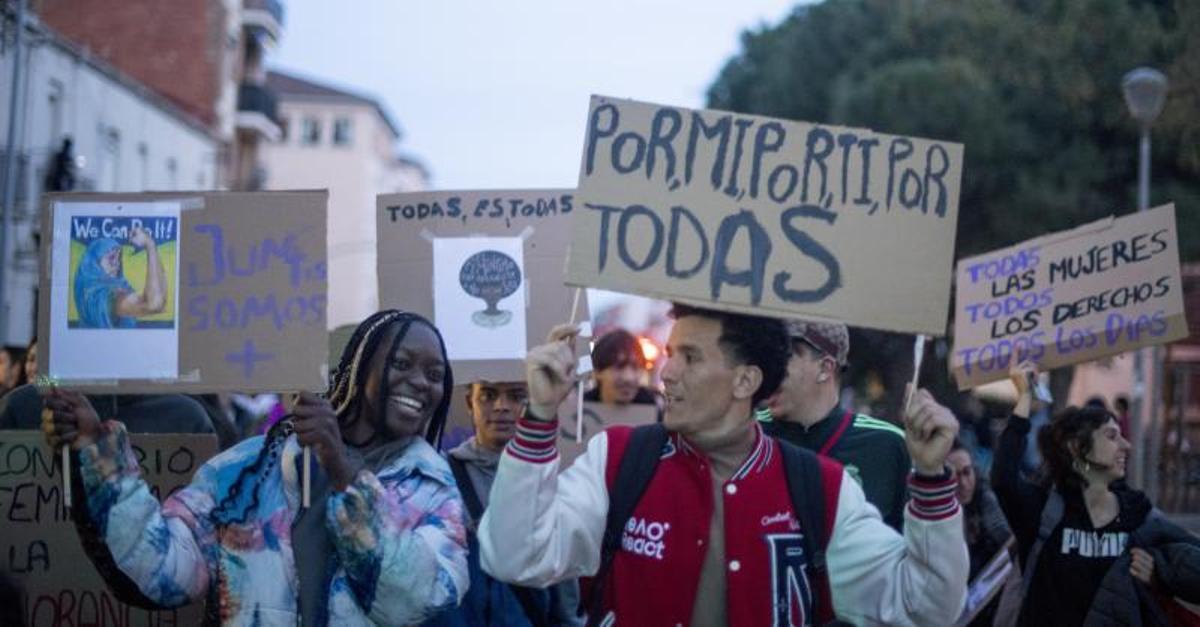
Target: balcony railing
265	16
257	99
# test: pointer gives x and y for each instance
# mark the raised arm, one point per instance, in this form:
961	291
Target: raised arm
165	550
1021	500
541	527
153	298
879	577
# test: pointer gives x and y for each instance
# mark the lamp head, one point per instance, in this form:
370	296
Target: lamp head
1145	91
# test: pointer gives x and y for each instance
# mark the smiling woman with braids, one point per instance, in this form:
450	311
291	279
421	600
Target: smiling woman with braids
383	542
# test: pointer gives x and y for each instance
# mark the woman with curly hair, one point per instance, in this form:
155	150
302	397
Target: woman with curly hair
383	540
1094	551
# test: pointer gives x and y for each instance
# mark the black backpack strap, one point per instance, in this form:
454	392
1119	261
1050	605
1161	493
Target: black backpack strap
467	489
525	596
636	468
1052	514
803	472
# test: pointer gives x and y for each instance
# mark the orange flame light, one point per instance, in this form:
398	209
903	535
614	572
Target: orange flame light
650	351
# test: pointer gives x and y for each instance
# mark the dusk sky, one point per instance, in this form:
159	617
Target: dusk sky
495	94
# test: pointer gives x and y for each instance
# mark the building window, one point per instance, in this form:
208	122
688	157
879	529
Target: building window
342	132
54	102
285	124
143	152
110	159
310	132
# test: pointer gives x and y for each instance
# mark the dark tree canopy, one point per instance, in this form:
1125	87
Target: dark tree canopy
1032	88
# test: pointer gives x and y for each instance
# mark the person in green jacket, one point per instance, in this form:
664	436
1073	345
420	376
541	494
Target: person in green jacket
806	412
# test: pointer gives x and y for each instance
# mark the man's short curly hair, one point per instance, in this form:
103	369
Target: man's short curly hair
753	340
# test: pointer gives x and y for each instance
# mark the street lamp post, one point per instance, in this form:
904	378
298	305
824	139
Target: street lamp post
1145	91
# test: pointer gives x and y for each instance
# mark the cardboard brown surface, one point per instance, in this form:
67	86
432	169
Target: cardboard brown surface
406	222
1038	300
763	216
252	292
40	544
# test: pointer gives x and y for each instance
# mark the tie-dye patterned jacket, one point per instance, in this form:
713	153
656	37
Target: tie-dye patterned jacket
399	544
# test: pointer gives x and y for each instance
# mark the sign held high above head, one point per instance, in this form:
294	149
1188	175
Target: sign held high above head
485	266
767	216
187	292
1065	298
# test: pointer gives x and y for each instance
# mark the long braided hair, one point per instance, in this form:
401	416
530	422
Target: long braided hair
347	391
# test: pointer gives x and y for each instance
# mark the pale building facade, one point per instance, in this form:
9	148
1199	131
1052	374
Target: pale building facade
346	143
125	138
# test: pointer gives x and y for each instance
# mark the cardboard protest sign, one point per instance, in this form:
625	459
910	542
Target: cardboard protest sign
188	292
596	418
485	266
765	216
988	583
42	548
1065	298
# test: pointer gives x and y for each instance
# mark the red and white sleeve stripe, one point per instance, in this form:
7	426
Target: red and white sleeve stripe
534	441
932	498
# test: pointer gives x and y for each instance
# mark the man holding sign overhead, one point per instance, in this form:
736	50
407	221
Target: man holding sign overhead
704	519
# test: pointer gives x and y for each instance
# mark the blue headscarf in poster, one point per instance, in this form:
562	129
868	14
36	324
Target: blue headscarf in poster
96	291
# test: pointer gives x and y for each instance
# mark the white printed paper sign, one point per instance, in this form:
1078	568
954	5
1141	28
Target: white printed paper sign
479	296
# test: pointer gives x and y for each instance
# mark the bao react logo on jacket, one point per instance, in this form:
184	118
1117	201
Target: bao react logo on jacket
646	538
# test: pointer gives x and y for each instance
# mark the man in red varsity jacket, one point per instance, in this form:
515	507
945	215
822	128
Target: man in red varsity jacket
714	540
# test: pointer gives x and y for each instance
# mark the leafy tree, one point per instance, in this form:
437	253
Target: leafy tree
1030	87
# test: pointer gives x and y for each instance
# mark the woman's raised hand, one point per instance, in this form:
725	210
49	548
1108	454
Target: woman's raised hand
1022	375
68	418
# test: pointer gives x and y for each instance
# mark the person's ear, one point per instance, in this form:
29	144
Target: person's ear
827	367
746	381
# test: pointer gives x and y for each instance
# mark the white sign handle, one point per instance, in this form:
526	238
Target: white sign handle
66	471
306	479
918	355
579	385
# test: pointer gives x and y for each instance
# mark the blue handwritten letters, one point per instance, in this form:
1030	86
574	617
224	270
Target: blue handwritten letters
1065	298
751	213
253	290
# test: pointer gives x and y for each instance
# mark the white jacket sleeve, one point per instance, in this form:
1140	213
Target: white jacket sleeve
542	527
878	577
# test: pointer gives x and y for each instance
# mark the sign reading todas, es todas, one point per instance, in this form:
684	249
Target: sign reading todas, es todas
1064	298
766	216
485	266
